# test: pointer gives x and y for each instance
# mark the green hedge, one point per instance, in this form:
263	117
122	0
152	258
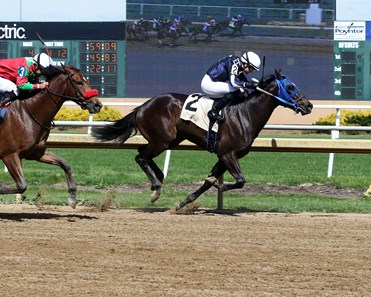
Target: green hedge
77	114
347	118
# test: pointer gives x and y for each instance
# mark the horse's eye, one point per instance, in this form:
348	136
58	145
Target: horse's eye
290	88
79	82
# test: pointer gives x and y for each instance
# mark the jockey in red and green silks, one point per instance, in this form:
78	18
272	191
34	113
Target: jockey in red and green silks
21	75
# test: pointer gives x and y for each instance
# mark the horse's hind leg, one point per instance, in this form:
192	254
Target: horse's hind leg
51	158
150	168
14	166
218	169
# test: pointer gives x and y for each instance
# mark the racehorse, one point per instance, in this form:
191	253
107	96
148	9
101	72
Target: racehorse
141	29
158	120
27	123
174	35
198	29
238	26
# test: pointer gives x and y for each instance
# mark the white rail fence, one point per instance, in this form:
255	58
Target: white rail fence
335	130
200	10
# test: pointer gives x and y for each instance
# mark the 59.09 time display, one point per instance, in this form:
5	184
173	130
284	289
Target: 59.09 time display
98	61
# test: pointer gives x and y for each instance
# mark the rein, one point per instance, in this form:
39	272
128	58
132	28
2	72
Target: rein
35	120
80	99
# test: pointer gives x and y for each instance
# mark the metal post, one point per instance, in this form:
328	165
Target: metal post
167	162
335	134
91	119
220	193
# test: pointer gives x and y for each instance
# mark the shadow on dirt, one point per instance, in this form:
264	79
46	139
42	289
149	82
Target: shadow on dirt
20	217
195	210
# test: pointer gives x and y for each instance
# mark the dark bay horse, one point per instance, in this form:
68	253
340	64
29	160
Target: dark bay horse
158	120
238	26
141	29
173	35
198	29
27	123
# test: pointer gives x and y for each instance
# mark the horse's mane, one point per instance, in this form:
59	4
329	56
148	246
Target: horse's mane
266	80
55	71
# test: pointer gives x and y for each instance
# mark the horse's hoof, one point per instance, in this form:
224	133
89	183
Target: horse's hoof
211	179
155	195
178	205
19	198
72	203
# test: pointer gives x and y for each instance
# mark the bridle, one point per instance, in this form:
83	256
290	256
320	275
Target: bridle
80	98
284	98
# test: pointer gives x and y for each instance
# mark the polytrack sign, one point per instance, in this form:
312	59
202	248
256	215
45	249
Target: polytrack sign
352	60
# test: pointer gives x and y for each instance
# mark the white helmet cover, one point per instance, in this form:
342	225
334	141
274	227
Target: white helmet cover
252	59
43	60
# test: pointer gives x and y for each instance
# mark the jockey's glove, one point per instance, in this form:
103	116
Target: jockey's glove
250	85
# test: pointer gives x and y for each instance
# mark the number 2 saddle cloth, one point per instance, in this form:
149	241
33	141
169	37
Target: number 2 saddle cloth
195	109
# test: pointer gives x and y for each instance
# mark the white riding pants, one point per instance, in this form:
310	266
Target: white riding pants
8	86
216	88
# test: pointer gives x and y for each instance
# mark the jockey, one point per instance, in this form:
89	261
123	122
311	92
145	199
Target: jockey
207	26
177	23
235	19
21	75
227	78
157	23
173	28
178	20
139	22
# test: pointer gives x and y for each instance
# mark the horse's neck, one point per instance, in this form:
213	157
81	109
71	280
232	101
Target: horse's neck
45	105
257	111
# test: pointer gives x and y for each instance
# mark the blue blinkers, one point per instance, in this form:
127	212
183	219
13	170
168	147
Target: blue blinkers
284	97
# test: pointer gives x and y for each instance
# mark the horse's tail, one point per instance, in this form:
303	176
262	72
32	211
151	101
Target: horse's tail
119	131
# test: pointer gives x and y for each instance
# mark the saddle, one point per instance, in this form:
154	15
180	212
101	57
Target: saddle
195	110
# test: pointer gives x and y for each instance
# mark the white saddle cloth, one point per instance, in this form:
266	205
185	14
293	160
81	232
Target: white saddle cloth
195	109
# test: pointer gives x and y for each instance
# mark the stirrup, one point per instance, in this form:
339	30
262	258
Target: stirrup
214	115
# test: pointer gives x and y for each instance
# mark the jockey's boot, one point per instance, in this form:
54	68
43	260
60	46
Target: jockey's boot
213	114
8	97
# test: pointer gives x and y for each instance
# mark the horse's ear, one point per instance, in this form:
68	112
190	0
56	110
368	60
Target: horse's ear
278	73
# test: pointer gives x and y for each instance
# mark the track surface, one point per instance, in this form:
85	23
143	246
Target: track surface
56	251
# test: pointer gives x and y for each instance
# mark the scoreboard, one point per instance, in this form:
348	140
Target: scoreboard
98	49
352	60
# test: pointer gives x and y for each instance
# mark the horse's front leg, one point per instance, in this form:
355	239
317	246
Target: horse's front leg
218	169
50	158
14	165
231	162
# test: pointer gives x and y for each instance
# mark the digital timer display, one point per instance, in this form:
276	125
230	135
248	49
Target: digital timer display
97	49
98	60
58	53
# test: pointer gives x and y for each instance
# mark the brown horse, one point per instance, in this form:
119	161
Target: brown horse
158	120
198	29
141	29
173	31
27	125
238	26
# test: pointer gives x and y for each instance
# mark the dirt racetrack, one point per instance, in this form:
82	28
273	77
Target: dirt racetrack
57	251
